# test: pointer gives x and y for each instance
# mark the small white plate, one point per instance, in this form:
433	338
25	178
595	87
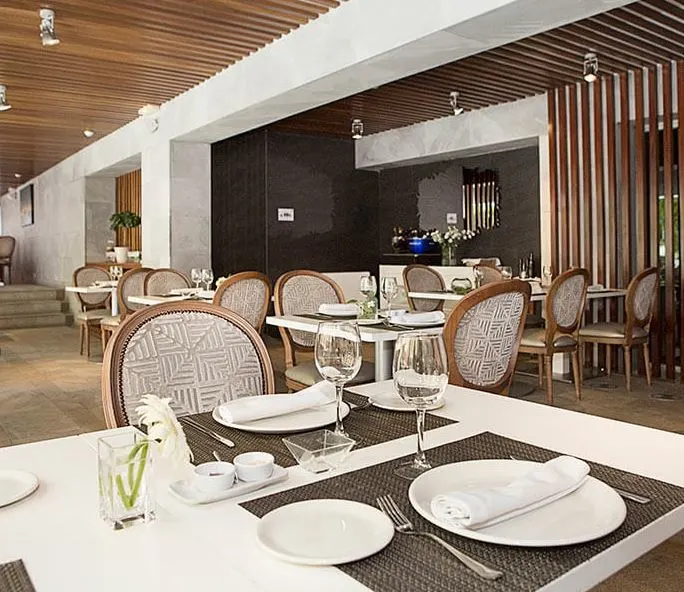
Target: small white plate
298	421
324	532
393	402
187	493
16	485
590	512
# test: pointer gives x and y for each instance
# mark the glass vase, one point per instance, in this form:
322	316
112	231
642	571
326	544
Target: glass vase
125	479
368	309
450	256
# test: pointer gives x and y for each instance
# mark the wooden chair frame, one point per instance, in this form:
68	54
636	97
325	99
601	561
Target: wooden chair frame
165	270
469	301
553	330
8	263
242	276
115	414
290	347
405	274
490	267
86	327
631	322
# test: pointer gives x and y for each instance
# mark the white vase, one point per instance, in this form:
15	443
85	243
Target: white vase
121	254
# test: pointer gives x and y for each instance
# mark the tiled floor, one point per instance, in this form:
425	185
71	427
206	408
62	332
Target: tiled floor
47	391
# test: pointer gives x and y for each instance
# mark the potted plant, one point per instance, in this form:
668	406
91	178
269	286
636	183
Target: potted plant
125	220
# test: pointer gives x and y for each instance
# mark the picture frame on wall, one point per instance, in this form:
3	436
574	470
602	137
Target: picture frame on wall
26	205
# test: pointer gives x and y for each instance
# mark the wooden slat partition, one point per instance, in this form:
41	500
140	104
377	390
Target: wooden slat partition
622	213
128	199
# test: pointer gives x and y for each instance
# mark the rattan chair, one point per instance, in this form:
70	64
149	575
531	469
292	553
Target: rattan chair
422	278
248	294
483	333
197	354
488	272
7	244
639	302
302	292
130	284
161	281
564	306
94	307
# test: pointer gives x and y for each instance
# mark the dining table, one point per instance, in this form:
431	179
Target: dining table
149	300
64	544
537	296
109	288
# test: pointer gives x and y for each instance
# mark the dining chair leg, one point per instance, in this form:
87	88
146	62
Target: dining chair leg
548	361
647	363
540	370
87	340
103	337
577	373
628	367
609	359
81	336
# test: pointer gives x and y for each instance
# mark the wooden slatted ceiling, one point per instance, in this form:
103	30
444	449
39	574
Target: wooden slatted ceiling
644	33
115	57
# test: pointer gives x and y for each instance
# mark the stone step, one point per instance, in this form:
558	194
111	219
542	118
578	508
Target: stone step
33	320
30	307
22	293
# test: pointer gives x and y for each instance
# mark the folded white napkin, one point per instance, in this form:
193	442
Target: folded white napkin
408	318
262	406
339	310
595	288
485	507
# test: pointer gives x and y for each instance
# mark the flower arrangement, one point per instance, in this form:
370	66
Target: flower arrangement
161	423
452	237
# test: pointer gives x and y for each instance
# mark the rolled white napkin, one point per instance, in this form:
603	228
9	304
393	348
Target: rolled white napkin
263	406
339	310
595	288
485	507
408	318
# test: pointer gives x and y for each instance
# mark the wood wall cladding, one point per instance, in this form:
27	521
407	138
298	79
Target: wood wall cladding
628	214
128	199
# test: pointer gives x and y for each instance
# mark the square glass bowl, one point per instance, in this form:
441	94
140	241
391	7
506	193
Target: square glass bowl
319	451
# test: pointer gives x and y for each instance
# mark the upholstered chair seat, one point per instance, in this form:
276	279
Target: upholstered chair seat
537	338
482	336
93	315
248	294
307	374
111	321
422	278
611	330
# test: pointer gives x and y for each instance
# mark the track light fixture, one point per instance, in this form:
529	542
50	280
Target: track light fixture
47	27
453	101
357	129
88	133
4	105
591	67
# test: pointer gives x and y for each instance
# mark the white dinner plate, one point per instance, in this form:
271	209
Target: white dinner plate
324	532
298	421
590	512
16	485
391	401
413	323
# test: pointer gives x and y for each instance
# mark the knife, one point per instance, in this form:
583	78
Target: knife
200	428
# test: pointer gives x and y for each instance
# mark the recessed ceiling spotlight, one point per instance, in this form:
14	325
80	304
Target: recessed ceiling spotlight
17	175
453	101
591	67
4	105
88	133
47	27
147	110
357	129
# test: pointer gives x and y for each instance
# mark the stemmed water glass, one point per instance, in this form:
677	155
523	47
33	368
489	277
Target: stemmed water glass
420	377
207	277
368	286
506	272
389	290
547	275
196	276
338	356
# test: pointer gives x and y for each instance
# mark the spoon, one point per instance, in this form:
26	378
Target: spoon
216	455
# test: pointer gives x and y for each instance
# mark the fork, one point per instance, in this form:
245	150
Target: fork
404	526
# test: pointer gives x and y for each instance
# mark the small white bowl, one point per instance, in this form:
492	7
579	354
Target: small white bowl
212	477
254	466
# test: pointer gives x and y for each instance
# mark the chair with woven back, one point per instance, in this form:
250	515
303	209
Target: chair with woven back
7	244
302	292
639	302
563	308
161	281
489	273
422	278
197	354
483	333
130	284
93	307
247	293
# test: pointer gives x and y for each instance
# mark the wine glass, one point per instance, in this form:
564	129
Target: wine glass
337	352
389	290
196	276
368	286
506	272
420	377
207	277
479	277
547	274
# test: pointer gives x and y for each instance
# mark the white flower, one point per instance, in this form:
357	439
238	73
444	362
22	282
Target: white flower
162	425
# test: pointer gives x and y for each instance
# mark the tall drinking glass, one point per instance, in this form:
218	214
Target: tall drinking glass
338	356
389	290
196	276
420	377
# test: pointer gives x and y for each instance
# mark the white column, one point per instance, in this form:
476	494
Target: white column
156	206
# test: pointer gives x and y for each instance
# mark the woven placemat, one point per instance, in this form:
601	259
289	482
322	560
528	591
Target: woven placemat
15	578
412	564
323	317
367	426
